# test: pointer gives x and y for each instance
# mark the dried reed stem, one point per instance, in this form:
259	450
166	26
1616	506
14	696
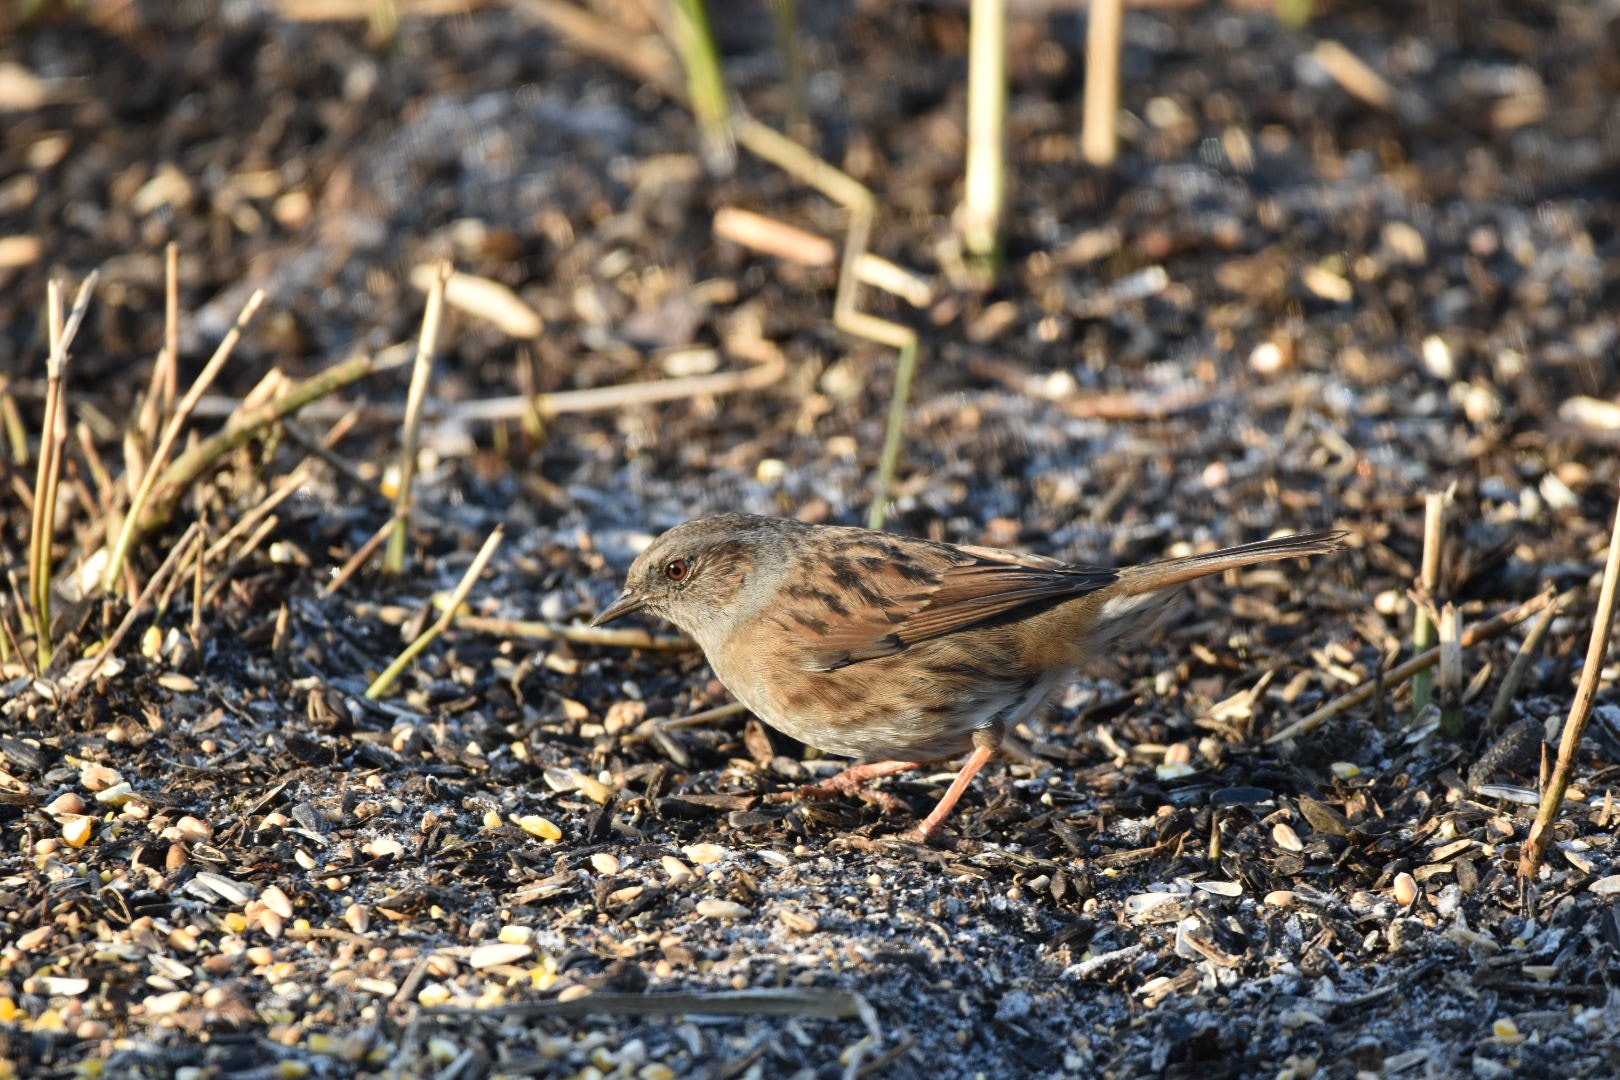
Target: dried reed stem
427	345
1580	711
171	434
1099	134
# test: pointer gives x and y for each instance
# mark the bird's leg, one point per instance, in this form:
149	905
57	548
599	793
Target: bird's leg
986	742
852	781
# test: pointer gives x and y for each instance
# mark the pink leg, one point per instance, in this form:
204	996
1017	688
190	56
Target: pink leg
930	824
852	780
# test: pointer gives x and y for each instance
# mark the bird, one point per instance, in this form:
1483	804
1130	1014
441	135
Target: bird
896	651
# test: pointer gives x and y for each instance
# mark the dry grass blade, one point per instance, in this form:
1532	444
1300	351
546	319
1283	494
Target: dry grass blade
517	407
171	434
1580	712
427	345
381	683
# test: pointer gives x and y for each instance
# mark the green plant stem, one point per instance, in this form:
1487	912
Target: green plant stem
705	80
394	558
905	369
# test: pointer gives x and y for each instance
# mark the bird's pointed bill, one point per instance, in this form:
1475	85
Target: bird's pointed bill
624	605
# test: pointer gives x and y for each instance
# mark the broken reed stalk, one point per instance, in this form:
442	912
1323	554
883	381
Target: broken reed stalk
905	369
52	440
693	38
381	683
1434	524
1470	637
164	383
1451	668
42	526
1099	128
244	425
985	180
171	434
1580	711
426	346
1521	664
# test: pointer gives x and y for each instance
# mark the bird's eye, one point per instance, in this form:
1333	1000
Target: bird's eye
678	570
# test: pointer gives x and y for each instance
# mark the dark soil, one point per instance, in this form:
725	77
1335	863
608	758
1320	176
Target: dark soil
1285	309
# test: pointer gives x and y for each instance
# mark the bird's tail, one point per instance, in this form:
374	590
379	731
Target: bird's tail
1142	593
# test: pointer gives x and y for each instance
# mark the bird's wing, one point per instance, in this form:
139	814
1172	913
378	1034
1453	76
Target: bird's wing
871	604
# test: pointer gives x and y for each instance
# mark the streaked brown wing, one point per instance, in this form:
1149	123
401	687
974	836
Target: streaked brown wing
877	607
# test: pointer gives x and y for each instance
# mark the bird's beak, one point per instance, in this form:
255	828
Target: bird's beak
624	605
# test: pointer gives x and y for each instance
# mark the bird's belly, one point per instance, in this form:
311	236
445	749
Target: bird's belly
864	711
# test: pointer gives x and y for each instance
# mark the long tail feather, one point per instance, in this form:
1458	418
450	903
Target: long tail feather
1154	576
1143	596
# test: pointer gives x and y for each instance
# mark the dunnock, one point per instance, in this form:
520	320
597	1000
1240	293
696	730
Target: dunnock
897	650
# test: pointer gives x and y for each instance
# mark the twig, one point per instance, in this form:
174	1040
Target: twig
1471	636
1580	712
381	683
249	546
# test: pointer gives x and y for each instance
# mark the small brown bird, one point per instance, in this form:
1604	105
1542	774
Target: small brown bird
895	650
